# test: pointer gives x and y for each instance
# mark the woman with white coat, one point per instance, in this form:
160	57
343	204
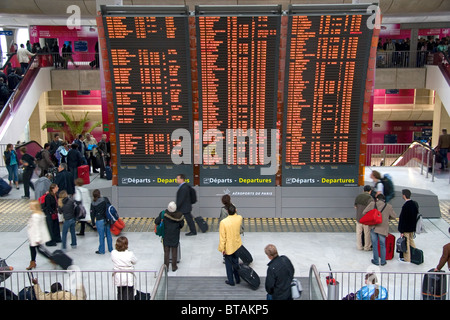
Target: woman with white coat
123	260
37	230
82	194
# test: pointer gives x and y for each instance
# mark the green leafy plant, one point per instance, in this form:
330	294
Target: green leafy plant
71	127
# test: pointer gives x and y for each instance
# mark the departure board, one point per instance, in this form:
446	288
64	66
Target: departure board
150	75
327	59
237	57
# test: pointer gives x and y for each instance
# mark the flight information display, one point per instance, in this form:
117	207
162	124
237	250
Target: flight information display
150	75
237	58
326	66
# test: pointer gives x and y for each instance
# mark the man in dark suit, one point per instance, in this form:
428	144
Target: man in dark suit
407	223
64	179
184	203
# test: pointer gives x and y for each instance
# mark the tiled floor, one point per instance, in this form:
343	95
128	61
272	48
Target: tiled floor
200	256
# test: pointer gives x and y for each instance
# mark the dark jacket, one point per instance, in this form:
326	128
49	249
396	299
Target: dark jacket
64	180
184	198
280	273
74	158
67	210
50	205
408	217
29	160
98	209
173	222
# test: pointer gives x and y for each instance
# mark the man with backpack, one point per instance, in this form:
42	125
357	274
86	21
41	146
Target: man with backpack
184	203
382	185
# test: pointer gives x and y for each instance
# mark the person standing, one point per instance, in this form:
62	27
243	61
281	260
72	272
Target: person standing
378	187
280	273
37	232
184	204
443	146
362	230
29	165
173	222
379	232
12	165
229	241
23	55
104	150
445	257
64	179
91	152
50	209
123	261
407	224
82	195
99	206
67	209
45	161
54	145
74	160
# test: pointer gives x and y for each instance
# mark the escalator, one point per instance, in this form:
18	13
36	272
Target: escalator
18	109
417	154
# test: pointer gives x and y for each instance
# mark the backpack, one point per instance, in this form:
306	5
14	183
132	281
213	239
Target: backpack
42	200
38	155
79	210
388	187
159	228
111	212
193	195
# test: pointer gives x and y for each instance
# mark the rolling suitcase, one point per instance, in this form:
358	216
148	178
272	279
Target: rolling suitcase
108	173
434	286
249	275
5	188
83	173
201	224
390	246
57	257
244	255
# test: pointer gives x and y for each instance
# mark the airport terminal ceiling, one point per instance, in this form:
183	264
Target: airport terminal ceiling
49	12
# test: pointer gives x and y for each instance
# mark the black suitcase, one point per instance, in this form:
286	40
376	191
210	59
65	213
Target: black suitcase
249	275
244	255
434	286
201	224
58	257
416	255
5	188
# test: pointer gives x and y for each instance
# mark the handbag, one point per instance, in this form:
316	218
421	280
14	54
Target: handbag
373	217
401	245
296	289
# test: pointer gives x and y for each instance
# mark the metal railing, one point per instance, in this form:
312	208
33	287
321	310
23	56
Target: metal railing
401	59
398	285
382	154
83	285
316	289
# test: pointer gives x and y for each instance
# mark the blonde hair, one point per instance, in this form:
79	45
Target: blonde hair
62	195
35	206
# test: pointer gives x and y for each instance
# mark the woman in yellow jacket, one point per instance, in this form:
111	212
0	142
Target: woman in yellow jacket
229	241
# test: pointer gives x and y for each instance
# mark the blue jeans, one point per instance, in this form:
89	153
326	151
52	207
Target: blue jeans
375	237
69	225
103	230
443	153
13	172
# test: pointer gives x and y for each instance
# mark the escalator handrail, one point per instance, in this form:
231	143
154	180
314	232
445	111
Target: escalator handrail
8	105
414	143
314	276
10	55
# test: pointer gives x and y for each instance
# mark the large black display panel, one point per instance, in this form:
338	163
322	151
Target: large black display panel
237	55
150	73
326	66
